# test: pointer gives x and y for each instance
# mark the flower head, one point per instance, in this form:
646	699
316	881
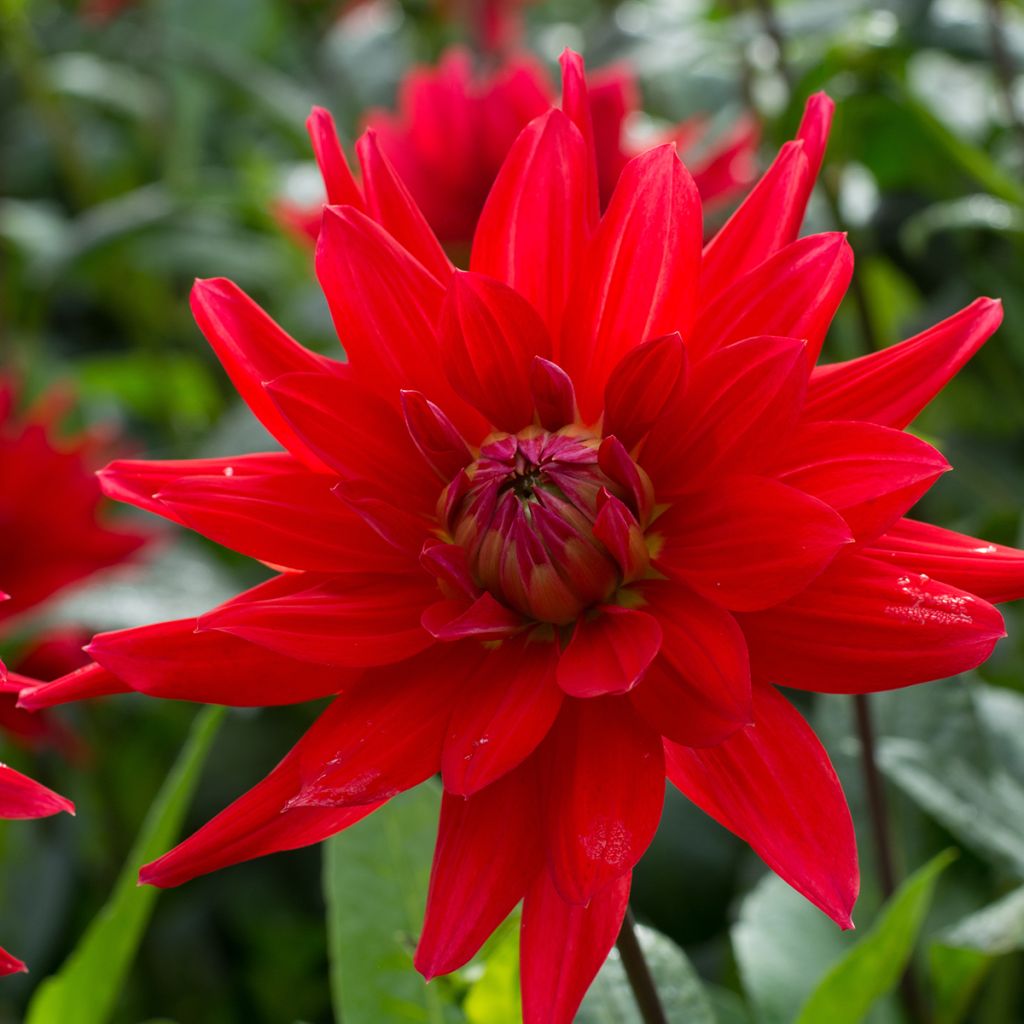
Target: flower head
455	125
557	530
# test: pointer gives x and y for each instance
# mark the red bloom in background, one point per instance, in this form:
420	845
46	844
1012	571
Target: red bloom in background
50	537
455	126
557	530
22	797
52	531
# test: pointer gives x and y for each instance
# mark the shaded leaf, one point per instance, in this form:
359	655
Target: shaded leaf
375	885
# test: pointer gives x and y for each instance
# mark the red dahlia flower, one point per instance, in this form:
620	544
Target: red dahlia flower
455	126
558	529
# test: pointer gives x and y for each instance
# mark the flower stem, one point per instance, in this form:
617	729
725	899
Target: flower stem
638	973
910	993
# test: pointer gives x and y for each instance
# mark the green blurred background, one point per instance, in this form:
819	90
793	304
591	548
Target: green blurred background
144	144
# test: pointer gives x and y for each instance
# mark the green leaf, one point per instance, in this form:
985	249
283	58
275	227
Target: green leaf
86	988
375	885
874	965
782	944
611	1001
962	954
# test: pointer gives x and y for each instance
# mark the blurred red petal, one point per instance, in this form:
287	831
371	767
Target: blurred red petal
22	797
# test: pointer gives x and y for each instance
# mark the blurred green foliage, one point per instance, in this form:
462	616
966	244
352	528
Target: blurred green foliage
144	144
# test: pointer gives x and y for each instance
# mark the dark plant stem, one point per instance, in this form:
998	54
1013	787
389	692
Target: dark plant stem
1005	71
910	992
638	973
875	789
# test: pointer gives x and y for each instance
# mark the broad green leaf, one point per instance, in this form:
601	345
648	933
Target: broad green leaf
86	988
611	1001
962	954
375	885
874	965
783	944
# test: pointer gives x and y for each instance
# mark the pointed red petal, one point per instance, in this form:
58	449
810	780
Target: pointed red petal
737	406
367	746
505	708
386	308
640	385
172	660
391	205
697	691
22	797
351	621
991	571
487	854
774	786
765	221
864	626
338	180
355	432
771	215
602	779
871	475
576	105
483	619
285	517
10	964
892	386
434	435
750	542
136	481
638	278
794	294
85	683
553	394
608	653
489	336
618	530
531	230
563	946
253	349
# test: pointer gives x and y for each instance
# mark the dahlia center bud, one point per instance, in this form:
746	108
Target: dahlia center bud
524	512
